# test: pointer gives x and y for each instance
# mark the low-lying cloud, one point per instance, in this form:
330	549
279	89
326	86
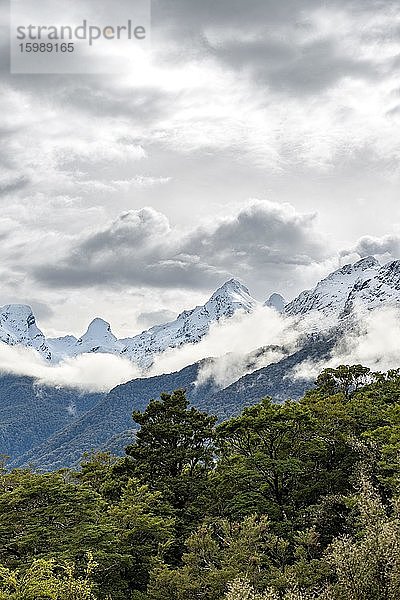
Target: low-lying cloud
226	369
234	347
373	342
239	345
88	372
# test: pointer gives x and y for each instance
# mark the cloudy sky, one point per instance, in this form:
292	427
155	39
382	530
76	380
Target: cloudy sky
261	141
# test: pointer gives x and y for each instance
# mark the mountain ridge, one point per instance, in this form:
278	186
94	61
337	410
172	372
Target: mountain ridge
18	328
365	283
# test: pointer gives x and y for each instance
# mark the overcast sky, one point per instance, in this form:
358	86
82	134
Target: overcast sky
262	142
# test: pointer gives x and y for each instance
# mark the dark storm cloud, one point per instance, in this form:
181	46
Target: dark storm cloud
260	234
140	248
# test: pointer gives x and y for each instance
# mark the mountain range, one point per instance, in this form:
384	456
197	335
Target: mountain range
51	428
365	284
18	327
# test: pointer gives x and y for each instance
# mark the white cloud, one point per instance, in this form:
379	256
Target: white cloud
367	245
374	343
227	369
304	108
236	346
244	336
89	372
231	341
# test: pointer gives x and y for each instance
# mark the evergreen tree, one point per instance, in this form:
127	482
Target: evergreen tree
174	453
174	448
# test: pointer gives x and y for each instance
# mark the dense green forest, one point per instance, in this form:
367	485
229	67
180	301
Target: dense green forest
292	501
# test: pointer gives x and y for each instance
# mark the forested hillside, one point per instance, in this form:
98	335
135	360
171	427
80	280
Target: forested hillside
103	421
31	413
292	501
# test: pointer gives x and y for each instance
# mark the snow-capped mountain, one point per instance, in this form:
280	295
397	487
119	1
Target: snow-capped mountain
330	296
365	285
277	302
189	327
98	338
381	289
18	327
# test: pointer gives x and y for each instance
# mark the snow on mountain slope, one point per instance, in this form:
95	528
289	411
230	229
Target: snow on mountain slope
191	325
18	327
383	288
330	295
62	346
365	284
188	328
98	338
277	302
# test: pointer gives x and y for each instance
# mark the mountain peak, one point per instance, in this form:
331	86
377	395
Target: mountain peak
392	266
232	286
191	325
364	285
18	326
233	290
368	262
98	329
98	324
231	296
18	311
276	301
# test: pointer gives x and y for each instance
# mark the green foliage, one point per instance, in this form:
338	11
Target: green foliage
345	380
173	453
47	514
268	458
218	552
367	567
241	589
30	414
142	530
174	442
54	515
266	506
46	580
